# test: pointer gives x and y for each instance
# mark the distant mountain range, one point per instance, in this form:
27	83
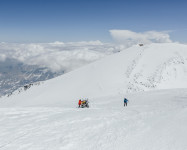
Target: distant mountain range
15	74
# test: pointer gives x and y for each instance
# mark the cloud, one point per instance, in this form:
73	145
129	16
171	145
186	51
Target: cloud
2	57
57	56
129	38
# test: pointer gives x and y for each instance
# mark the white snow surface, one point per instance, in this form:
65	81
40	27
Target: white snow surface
152	120
152	77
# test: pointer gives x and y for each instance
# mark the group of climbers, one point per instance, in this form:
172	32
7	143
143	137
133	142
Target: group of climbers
84	103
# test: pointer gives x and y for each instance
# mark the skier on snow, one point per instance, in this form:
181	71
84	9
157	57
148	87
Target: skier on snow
125	101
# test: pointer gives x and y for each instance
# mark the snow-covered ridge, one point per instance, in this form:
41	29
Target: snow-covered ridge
159	66
24	88
149	67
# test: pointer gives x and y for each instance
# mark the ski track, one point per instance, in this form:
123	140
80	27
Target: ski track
146	123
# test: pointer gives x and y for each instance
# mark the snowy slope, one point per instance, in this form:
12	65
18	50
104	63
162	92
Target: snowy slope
155	119
151	121
155	66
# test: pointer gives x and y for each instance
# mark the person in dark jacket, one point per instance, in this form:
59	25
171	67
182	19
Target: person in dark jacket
125	101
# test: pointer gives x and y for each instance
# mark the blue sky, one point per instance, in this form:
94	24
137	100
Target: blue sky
84	20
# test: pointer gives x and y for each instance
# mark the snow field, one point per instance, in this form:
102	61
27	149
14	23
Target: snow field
152	120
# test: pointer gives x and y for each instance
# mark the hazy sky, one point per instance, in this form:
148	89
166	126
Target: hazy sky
84	20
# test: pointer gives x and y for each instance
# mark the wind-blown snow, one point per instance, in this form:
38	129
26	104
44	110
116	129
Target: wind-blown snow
46	117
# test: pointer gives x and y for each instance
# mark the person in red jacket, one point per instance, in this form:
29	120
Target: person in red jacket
79	102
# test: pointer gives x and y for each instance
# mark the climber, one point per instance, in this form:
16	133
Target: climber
125	101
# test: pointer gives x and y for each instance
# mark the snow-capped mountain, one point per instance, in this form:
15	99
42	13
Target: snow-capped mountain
152	77
149	67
